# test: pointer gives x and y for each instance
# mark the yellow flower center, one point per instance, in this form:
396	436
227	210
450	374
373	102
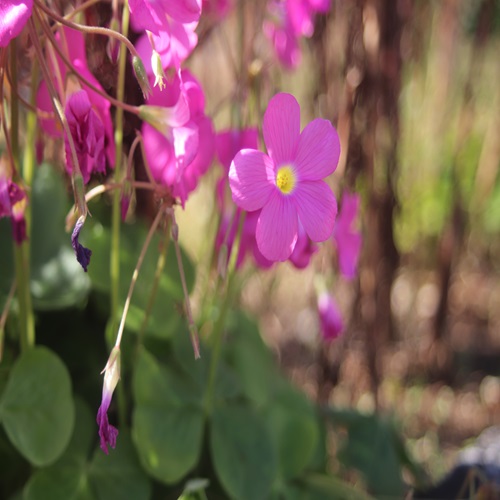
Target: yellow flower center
285	179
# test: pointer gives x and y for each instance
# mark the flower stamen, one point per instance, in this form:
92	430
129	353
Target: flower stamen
286	179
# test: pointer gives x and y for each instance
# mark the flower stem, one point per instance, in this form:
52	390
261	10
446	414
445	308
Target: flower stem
218	330
21	252
116	215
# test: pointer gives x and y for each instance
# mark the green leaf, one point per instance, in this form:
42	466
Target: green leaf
244	351
167	426
242	452
372	448
37	409
321	487
106	477
119	475
166	315
295	430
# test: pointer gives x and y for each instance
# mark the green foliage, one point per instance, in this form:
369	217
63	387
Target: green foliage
36	408
165	317
57	281
242	451
167	420
374	447
77	476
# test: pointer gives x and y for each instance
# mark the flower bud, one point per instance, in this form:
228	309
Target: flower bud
157	66
142	76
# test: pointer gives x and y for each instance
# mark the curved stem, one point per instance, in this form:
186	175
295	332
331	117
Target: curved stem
119	104
135	275
95	30
193	331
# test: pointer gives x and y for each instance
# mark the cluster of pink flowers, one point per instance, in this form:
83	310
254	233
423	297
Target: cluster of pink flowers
282	205
287	22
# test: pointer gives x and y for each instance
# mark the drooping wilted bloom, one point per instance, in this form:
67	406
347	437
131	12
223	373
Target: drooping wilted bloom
287	184
330	319
72	42
82	253
108	433
87	132
12	204
346	237
13	16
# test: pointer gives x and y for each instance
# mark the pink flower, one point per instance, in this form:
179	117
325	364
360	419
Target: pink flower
229	142
282	34
287	21
287	184
303	251
330	319
73	43
107	432
12	204
347	239
153	15
172	24
248	245
87	132
13	16
182	153
218	9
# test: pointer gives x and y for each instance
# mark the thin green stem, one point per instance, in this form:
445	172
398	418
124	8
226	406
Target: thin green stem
3	317
135	275
116	215
218	330
160	265
21	252
193	330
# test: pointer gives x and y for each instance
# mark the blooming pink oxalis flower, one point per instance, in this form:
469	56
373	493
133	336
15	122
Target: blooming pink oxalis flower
287	183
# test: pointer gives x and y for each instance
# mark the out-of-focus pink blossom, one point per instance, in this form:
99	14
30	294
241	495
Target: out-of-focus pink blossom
12	204
330	319
248	245
346	237
279	29
287	21
13	16
229	142
304	249
218	9
181	154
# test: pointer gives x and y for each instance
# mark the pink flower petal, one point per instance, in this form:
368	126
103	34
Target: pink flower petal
330	318
281	128
317	209
13	17
277	228
229	142
318	151
251	178
183	11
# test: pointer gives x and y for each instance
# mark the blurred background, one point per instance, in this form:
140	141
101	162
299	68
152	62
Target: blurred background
413	89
